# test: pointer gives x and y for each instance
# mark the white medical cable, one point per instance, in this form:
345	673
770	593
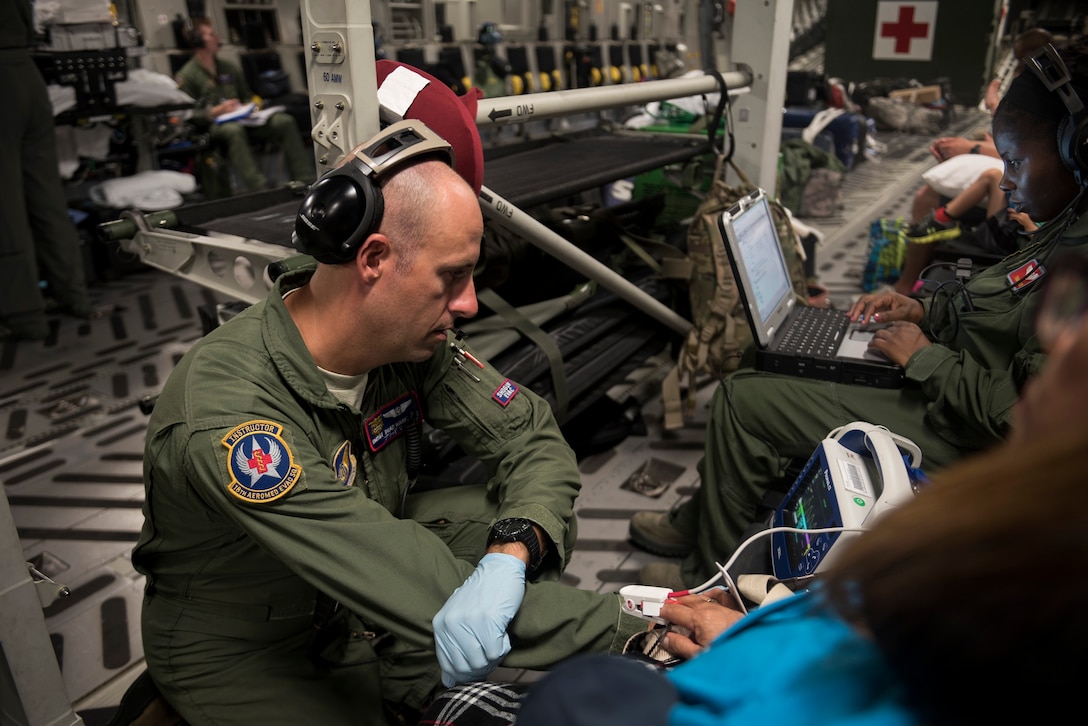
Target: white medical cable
723	570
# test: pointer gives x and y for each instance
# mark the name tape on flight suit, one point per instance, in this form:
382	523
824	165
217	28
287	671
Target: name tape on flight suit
392	420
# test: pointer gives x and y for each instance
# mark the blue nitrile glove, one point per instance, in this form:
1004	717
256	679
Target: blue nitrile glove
470	629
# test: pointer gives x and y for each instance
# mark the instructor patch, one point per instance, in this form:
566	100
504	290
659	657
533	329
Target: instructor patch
261	465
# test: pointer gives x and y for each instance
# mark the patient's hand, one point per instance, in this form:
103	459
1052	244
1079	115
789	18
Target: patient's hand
707	615
948	146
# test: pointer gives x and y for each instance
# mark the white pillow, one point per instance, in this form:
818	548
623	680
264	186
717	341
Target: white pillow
952	176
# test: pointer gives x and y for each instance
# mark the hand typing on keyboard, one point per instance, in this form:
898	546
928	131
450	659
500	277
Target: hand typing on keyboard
899	341
886	307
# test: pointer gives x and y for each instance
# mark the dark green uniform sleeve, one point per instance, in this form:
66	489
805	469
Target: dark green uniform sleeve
972	404
194	81
987	348
532	470
245	94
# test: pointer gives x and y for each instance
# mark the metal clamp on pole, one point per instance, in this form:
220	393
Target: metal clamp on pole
48	589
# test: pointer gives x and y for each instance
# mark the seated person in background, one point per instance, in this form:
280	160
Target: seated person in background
961	157
966	353
980	574
219	88
1001	233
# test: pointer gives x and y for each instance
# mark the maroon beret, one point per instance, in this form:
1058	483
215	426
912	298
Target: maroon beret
431	101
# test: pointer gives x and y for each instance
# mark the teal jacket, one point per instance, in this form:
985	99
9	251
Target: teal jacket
263	489
791	662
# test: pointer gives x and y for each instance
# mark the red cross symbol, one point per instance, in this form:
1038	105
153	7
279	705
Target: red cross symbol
259	461
904	30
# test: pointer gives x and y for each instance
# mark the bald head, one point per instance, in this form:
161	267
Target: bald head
413	197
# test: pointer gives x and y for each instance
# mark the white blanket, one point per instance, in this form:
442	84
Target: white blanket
149	190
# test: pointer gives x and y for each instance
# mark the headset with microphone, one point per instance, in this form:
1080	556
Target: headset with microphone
1049	67
345	206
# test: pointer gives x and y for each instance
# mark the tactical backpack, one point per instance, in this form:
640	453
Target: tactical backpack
720	332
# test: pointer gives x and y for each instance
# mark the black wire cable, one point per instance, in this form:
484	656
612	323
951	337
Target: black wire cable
958	287
719	112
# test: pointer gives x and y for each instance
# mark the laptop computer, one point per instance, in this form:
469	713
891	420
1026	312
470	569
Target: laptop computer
793	339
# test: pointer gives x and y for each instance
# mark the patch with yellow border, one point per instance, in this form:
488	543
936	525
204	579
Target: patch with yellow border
261	465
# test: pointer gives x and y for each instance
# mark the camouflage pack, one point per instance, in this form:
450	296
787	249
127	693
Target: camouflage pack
720	331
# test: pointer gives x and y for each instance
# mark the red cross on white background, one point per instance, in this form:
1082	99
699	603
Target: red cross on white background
905	30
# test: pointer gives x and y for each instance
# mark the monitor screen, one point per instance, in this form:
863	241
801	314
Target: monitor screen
811	505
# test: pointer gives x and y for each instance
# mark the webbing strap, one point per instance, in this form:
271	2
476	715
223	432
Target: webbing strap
533	332
674	265
670	398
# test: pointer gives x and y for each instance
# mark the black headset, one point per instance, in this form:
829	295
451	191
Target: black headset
345	206
196	38
1048	65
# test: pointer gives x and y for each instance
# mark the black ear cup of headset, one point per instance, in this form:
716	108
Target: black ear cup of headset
345	205
1048	66
196	38
1073	145
340	210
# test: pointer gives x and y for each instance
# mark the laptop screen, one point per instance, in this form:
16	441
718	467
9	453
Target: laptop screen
751	240
762	257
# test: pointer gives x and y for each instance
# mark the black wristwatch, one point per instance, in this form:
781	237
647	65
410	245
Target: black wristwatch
518	529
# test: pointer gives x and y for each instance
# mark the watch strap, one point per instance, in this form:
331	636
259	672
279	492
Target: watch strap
519	529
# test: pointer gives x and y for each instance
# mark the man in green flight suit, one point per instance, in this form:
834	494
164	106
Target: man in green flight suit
219	88
293	575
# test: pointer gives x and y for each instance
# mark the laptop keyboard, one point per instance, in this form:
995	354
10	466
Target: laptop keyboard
813	332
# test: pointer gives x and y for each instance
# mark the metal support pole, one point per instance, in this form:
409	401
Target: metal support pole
339	40
761	38
509	216
27	662
536	106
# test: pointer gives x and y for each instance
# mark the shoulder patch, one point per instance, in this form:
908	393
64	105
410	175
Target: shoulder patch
344	463
392	420
505	393
261	465
1025	275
